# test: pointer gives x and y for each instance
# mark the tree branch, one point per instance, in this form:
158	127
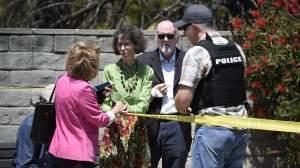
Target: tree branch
88	8
160	15
51	6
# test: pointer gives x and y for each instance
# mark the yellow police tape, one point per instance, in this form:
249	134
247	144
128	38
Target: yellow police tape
231	121
226	121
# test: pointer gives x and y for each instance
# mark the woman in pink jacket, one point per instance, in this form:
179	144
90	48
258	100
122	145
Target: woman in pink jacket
78	115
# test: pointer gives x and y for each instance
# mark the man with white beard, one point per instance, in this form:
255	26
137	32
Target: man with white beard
169	140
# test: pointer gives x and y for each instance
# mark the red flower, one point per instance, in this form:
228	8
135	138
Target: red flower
252	97
257	67
248	71
281	41
265	59
260	111
251	36
124	131
260	2
294	2
255	13
266	92
252	68
271	41
276	5
256	85
106	139
236	23
273	30
246	45
269	38
130	119
293	9
260	23
281	88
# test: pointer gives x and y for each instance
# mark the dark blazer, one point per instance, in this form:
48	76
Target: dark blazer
152	59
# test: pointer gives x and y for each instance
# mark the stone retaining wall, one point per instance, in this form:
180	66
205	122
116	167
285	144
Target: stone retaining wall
30	59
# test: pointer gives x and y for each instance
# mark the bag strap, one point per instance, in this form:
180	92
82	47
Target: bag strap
52	93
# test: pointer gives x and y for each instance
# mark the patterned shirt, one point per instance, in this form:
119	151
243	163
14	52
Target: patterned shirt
125	142
131	85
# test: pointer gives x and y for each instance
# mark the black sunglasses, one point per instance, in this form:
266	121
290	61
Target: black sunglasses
169	36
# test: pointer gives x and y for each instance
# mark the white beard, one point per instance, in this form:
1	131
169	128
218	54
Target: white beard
166	49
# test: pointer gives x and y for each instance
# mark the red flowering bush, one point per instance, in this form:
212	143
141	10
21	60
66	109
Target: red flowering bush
270	39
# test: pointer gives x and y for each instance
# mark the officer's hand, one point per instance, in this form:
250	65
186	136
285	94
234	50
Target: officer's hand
187	111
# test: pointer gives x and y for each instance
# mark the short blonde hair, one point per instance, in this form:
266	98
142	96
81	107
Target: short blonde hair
83	60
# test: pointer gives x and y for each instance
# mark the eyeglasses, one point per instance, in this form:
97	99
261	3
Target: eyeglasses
169	36
185	27
126	45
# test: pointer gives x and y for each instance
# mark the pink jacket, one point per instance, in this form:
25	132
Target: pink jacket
78	117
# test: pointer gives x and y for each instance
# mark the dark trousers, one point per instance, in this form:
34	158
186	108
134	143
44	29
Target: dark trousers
171	143
66	163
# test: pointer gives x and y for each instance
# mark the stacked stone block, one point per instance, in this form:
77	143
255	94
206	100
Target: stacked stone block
30	59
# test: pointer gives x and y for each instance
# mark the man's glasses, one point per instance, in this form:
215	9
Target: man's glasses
169	36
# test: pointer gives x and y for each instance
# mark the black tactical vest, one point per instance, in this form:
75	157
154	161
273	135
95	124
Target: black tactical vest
225	83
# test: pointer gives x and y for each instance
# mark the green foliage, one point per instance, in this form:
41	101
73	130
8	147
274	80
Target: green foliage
107	14
270	43
104	14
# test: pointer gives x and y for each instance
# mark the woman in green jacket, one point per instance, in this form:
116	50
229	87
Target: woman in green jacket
125	143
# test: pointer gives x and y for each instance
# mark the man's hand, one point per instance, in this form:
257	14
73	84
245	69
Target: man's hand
159	90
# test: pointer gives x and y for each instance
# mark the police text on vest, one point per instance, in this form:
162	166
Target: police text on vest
230	60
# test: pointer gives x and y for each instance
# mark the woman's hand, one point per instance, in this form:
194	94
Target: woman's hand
125	109
106	91
103	94
118	107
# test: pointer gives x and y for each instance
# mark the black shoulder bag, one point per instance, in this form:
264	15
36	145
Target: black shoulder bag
43	124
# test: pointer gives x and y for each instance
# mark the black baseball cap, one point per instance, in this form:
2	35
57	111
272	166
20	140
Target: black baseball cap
195	14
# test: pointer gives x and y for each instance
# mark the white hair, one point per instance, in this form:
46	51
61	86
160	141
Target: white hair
168	22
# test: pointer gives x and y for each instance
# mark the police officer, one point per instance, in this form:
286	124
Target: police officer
212	83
